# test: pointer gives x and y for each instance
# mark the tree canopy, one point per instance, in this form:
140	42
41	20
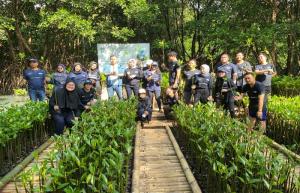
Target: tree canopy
60	31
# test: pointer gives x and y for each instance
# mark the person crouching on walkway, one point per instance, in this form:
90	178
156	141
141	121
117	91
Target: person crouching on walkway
144	108
171	101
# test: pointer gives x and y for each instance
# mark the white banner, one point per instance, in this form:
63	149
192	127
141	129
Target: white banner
124	52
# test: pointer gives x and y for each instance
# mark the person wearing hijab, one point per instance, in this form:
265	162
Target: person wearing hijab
203	85
59	77
132	77
78	75
64	106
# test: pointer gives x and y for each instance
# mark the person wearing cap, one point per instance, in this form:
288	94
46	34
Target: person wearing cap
144	107
229	68
94	76
242	67
87	95
114	74
132	77
153	80
188	75
64	106
203	85
174	70
224	92
170	102
59	78
257	101
78	75
36	80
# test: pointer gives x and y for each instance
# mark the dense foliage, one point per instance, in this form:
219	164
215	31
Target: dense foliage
94	157
67	31
284	121
286	86
229	158
17	119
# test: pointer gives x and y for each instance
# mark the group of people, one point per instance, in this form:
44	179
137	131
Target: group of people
229	85
76	91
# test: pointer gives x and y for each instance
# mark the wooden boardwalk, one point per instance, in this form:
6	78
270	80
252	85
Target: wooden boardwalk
159	165
15	185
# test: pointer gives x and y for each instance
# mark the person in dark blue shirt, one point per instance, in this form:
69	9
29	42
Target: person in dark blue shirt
144	107
188	91
174	71
78	75
171	101
59	77
87	95
132	77
203	84
35	78
257	101
153	78
229	68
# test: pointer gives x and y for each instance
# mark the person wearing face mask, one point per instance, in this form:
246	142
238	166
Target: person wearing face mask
59	77
203	85
64	106
153	78
242	67
78	75
188	78
132	77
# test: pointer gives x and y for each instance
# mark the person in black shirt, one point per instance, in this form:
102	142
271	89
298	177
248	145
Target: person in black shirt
171	101
144	108
257	106
188	76
224	92
174	72
64	106
87	95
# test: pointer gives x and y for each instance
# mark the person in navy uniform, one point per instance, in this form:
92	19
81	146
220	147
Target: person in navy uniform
144	107
171	101
78	75
114	74
257	101
203	85
227	67
36	80
87	95
188	76
59	78
264	73
224	92
153	79
132	77
174	71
